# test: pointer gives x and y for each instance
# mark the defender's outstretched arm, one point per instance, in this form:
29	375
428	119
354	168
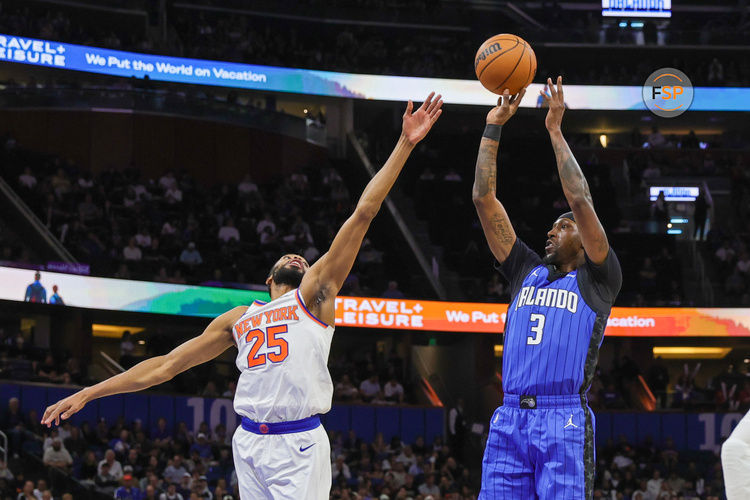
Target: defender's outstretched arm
495	222
325	278
574	183
214	340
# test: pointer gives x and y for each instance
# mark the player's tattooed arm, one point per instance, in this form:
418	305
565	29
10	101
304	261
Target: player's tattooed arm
574	184
495	222
485	178
572	179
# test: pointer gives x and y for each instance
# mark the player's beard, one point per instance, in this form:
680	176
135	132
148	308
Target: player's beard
287	276
550	259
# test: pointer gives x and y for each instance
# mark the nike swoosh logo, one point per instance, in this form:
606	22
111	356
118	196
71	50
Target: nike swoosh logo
306	448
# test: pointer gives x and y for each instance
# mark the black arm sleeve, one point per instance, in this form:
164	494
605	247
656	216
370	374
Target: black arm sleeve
601	282
521	260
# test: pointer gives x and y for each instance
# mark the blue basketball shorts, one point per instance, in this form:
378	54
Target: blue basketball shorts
540	447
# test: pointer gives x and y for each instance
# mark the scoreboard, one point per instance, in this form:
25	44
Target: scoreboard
637	8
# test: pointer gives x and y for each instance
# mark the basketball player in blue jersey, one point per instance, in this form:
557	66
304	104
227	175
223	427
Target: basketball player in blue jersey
541	440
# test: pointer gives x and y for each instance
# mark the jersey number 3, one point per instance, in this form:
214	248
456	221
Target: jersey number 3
538	329
269	337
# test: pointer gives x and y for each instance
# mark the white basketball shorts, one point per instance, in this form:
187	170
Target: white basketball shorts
295	466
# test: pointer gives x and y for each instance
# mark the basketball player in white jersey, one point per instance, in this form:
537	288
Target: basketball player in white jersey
280	451
735	460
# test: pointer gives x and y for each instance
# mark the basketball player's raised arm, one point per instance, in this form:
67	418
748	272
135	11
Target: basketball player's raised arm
495	222
214	340
325	278
574	184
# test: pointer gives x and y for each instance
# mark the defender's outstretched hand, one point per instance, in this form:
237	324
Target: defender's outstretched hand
417	124
64	408
556	102
507	106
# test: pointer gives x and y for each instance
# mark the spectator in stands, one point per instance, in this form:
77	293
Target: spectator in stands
88	210
14	423
171	493
106	482
173	195
407	457
60	184
5	472
658	379
54	433
725	253
700	214
429	487
231	389
87	471
247	186
143	237
369	388
149	493
392	292
167	181
57	456
47	370
185	486
345	390
202	446
27	179
132	252
35	292
311	253
654	485
457	427
340	469
114	468
190	256
452	176
715	72
265	222
175	470
393	391
202	488
162	438
121	444
229	232
656	139
127	347
127	491
27	493
210	390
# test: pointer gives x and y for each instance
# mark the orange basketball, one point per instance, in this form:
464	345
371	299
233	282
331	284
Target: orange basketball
505	62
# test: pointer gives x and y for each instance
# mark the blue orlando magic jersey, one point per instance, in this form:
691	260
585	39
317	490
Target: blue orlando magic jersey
555	322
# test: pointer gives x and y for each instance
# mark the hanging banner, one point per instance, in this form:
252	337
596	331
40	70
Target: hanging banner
362	312
326	83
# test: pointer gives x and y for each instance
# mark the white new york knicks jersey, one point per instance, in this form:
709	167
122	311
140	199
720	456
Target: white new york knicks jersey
283	359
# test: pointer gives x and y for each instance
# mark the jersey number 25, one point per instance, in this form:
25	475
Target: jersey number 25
269	337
